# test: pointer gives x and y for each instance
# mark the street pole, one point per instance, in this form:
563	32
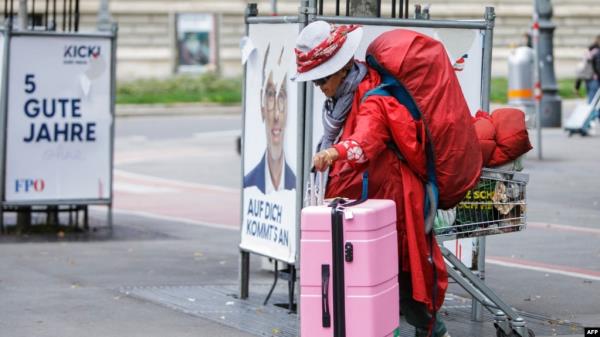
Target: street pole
274	7
23	15
104	19
550	105
537	86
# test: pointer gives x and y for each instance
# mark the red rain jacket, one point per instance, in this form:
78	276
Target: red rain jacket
372	124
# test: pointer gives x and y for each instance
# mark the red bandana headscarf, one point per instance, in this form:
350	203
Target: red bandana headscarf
325	50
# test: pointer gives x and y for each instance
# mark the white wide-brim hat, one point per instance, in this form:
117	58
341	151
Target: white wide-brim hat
315	33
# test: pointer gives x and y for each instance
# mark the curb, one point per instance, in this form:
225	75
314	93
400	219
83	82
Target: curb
196	109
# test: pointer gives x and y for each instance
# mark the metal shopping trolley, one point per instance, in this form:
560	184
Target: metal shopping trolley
497	205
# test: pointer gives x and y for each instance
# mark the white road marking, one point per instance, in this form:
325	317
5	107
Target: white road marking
131	139
213	134
566	228
175	219
545	268
172	183
142	189
123	158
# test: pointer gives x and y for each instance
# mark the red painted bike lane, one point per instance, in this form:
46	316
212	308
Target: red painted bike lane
165	198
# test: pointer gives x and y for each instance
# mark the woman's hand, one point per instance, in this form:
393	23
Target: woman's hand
323	159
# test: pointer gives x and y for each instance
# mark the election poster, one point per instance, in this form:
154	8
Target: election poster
269	221
59	119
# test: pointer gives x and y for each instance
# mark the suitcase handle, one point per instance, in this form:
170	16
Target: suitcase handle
315	188
365	191
326	316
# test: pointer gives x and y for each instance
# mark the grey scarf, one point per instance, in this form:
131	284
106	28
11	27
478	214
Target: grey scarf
335	112
336	108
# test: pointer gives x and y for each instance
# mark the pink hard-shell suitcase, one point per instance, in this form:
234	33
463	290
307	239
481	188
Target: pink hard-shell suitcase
359	243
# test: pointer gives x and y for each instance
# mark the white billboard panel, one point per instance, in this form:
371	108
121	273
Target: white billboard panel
59	119
269	221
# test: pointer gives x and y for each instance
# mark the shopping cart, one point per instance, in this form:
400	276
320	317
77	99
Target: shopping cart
497	205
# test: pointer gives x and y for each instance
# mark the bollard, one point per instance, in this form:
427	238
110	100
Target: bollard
520	82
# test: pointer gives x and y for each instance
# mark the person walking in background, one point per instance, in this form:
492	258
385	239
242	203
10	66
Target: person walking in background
588	70
526	40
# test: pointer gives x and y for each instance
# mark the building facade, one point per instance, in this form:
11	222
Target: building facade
160	38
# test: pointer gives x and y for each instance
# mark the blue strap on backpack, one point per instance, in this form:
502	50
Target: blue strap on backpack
390	86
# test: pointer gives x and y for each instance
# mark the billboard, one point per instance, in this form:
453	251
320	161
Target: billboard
58	143
269	223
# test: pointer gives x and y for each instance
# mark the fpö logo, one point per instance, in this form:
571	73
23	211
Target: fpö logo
81	53
29	185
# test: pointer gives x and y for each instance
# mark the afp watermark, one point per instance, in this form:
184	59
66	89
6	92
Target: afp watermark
591	332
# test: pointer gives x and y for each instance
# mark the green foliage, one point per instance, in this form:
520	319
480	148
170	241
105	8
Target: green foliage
207	88
566	88
500	89
210	88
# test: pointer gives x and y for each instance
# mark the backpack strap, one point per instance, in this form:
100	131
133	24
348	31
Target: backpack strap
390	86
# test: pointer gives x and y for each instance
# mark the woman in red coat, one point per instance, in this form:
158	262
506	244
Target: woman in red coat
356	138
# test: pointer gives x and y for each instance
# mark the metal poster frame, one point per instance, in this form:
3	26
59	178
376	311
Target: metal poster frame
6	31
307	14
9	33
252	18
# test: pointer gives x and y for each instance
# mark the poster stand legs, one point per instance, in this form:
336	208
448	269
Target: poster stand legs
289	274
276	273
86	223
23	217
52	216
244	274
291	287
110	217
